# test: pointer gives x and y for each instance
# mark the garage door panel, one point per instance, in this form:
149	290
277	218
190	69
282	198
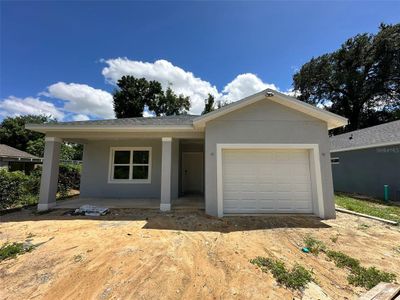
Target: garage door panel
266	181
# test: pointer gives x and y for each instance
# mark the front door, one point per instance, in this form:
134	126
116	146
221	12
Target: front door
192	172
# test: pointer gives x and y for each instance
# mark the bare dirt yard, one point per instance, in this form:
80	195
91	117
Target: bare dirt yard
145	254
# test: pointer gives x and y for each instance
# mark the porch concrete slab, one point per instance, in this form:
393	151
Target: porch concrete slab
182	202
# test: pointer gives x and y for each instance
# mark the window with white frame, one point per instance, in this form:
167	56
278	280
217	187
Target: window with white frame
130	164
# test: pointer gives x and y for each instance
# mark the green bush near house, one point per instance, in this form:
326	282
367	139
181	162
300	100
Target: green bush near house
12	187
18	189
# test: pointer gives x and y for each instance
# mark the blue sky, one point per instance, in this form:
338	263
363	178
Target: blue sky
63	58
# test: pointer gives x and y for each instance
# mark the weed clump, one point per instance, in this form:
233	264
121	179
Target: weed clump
343	260
360	276
369	277
296	278
315	246
8	251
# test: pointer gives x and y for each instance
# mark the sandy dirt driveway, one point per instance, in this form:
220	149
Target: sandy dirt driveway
144	254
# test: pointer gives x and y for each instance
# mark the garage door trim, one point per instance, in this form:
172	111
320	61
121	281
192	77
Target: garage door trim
314	150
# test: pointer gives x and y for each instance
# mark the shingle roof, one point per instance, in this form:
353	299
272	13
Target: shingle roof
388	133
7	151
164	120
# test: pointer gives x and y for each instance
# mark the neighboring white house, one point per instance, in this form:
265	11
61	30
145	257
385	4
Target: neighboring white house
267	153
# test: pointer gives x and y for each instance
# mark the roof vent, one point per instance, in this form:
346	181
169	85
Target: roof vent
269	94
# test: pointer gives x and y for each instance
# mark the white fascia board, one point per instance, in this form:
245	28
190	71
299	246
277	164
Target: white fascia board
392	143
97	128
331	119
200	122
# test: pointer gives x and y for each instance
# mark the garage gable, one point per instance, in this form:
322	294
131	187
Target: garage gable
332	120
266	111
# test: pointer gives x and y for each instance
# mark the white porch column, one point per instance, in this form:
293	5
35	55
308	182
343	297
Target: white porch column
49	180
166	156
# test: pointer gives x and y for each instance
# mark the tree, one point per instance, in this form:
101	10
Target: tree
14	134
209	104
68	151
169	104
360	81
134	94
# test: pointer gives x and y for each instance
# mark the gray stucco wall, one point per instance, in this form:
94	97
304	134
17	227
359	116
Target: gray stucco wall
366	171
96	159
266	122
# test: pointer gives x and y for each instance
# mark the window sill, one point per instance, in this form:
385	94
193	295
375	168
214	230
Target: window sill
129	181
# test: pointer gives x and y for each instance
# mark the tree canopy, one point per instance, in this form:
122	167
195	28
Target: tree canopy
134	94
360	80
209	104
14	134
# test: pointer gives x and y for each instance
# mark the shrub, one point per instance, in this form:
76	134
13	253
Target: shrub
12	250
12	188
315	246
17	189
296	278
68	178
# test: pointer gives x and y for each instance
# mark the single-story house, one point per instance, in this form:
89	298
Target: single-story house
267	153
13	159
365	160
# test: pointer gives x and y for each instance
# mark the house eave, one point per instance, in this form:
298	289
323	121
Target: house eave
385	144
102	128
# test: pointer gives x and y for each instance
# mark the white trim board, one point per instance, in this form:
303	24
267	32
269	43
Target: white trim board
395	143
332	120
110	179
314	150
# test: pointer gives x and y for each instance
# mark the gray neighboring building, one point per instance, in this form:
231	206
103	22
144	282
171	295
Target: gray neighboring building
365	160
16	160
266	153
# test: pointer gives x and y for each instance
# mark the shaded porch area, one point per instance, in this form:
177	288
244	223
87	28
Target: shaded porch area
187	202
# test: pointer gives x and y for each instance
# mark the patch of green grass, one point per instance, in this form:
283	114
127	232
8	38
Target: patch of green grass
298	277
360	276
372	208
8	251
343	260
315	246
369	277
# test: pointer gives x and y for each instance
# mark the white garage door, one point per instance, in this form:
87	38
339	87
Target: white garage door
266	181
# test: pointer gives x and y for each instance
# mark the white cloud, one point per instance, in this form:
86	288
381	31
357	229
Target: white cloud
244	85
166	73
80	117
83	99
82	102
184	82
14	106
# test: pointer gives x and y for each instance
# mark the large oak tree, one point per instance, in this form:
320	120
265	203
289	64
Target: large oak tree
134	94
360	80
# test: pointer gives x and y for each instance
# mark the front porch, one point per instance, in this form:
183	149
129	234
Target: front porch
185	202
136	172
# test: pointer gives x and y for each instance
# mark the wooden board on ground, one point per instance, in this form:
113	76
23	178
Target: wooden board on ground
382	291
